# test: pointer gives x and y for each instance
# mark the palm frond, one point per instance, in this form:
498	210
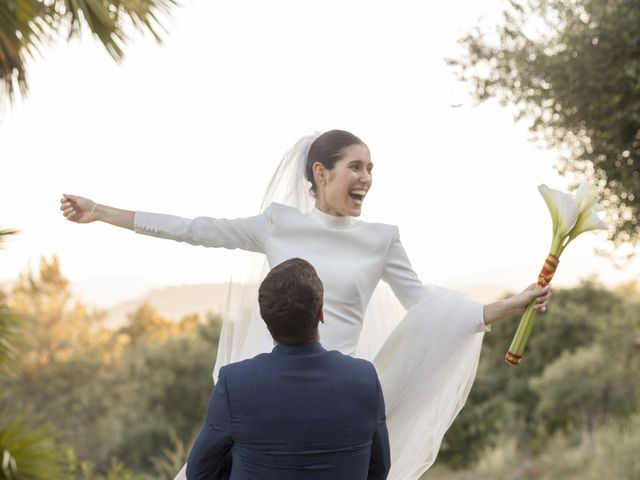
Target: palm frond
6	233
145	14
23	26
101	17
28	453
108	19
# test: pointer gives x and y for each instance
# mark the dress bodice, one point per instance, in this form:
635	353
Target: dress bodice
349	257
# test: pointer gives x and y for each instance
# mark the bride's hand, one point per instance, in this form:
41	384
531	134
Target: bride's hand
78	209
540	295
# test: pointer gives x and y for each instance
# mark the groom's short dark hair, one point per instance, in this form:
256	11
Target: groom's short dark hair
290	299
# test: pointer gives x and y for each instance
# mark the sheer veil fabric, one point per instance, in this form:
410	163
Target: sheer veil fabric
426	357
243	332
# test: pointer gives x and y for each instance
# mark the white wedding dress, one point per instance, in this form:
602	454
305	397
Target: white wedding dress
426	359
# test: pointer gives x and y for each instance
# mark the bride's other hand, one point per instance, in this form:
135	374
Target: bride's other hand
517	304
78	209
541	297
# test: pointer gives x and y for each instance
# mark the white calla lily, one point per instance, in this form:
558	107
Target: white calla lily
588	222
586	196
587	200
563	208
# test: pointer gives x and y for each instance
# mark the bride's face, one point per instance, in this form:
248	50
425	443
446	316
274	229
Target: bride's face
342	189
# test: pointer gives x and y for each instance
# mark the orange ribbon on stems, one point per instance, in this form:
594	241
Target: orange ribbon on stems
571	216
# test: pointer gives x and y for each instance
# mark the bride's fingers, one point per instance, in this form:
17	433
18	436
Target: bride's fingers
541	293
542	300
541	303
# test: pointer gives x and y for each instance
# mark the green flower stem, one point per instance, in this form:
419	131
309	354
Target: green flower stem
524	330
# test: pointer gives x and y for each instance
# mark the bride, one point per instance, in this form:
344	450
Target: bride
426	357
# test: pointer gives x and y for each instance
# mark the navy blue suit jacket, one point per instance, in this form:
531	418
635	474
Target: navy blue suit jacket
297	413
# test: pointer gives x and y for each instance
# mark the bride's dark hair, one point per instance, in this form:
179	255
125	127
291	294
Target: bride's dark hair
328	149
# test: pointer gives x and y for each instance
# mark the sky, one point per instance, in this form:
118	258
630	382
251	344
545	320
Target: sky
196	126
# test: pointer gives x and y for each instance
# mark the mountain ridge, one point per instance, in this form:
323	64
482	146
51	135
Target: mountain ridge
176	301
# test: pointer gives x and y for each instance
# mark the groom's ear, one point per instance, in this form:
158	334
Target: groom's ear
321	316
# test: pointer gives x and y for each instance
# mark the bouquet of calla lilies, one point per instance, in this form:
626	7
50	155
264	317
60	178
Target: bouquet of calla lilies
571	216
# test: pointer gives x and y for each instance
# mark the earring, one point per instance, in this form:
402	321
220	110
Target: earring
324	182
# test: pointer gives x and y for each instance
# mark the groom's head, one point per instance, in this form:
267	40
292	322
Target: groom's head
290	299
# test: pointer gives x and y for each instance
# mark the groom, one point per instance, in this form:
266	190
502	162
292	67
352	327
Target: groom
299	412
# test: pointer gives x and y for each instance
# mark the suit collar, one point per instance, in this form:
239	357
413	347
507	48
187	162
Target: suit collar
305	349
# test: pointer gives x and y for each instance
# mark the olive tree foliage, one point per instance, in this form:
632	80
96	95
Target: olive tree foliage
572	69
125	403
581	371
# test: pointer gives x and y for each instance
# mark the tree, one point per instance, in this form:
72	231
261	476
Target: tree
582	326
137	394
27	24
164	395
572	67
139	401
58	325
146	321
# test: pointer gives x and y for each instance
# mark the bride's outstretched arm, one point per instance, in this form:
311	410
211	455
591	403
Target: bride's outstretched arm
82	210
247	233
516	304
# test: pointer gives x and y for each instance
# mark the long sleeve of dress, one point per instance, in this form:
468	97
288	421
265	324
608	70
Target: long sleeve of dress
406	285
244	233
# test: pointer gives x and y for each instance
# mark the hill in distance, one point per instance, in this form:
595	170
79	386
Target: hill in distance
174	302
